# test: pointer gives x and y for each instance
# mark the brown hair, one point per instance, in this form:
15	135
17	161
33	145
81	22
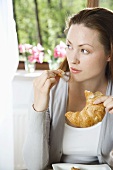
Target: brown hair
100	19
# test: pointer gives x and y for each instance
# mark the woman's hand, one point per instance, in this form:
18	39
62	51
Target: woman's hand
42	86
107	102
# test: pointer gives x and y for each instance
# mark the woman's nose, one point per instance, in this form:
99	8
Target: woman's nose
75	61
75	57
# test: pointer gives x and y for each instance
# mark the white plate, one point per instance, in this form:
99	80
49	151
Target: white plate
66	166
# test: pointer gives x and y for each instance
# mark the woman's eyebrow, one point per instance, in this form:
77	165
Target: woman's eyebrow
69	41
86	44
81	44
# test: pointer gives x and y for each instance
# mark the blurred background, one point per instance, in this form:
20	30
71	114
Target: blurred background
32	39
43	22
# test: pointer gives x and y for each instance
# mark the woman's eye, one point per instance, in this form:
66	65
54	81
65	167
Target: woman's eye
84	51
68	46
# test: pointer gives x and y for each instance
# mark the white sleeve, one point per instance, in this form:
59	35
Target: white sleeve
36	146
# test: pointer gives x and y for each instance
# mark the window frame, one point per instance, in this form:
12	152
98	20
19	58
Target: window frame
92	3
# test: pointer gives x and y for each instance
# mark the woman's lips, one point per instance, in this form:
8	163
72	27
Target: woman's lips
74	70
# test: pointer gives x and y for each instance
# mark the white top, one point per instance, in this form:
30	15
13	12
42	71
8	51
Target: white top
81	142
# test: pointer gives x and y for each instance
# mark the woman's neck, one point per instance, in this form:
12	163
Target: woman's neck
92	85
76	97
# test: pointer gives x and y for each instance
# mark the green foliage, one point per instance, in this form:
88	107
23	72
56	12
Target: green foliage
26	21
52	18
106	3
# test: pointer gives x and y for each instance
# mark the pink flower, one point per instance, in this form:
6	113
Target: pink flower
36	57
31	59
33	53
22	48
27	47
60	51
41	57
39	47
34	50
37	53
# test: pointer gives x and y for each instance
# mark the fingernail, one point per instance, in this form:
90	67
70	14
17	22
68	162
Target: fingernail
95	102
110	112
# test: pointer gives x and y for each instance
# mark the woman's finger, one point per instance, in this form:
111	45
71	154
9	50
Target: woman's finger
111	111
100	100
109	106
47	74
49	83
108	100
40	81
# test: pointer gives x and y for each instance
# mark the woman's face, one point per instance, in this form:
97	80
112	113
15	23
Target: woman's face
85	54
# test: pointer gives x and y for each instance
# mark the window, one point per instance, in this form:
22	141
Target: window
29	31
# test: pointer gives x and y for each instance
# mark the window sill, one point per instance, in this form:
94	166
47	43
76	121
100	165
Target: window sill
39	66
23	74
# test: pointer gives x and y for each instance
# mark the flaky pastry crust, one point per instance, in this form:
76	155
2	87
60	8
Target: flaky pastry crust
73	168
61	73
91	113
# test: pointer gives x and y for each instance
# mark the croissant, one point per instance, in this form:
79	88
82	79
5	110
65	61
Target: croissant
91	113
61	73
75	168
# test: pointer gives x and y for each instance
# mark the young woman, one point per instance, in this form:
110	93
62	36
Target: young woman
88	66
